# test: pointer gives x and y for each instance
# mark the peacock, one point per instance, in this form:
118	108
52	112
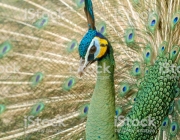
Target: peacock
89	70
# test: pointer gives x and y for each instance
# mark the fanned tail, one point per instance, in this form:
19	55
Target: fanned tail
39	61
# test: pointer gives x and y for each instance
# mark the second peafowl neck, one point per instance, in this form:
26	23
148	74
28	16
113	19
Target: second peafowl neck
100	121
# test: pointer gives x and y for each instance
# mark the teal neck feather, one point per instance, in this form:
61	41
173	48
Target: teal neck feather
100	120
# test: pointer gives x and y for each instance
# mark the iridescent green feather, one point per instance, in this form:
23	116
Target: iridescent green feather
136	69
171	108
162	48
177	92
123	89
130	36
36	79
69	83
79	3
165	124
37	108
174	128
133	99
174	53
146	71
118	111
101	27
147	54
5	48
155	90
83	111
72	46
175	20
41	23
153	21
2	108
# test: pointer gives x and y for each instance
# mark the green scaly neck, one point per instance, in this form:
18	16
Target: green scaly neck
100	120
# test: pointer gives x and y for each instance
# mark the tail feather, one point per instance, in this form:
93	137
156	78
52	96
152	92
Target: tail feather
39	61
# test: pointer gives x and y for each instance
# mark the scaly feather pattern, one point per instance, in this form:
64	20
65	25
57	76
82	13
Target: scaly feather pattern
42	96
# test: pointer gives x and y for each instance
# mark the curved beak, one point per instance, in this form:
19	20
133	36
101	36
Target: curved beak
83	64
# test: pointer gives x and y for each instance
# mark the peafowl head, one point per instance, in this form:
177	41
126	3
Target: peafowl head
94	45
92	48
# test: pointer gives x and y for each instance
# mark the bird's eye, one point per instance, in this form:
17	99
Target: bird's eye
93	49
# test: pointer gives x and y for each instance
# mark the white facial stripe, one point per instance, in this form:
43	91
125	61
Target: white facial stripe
97	47
97	50
96	40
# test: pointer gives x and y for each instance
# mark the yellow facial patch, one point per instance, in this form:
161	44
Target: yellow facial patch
103	47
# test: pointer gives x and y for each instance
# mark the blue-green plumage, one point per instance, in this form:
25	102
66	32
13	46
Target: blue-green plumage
89	7
38	66
85	42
